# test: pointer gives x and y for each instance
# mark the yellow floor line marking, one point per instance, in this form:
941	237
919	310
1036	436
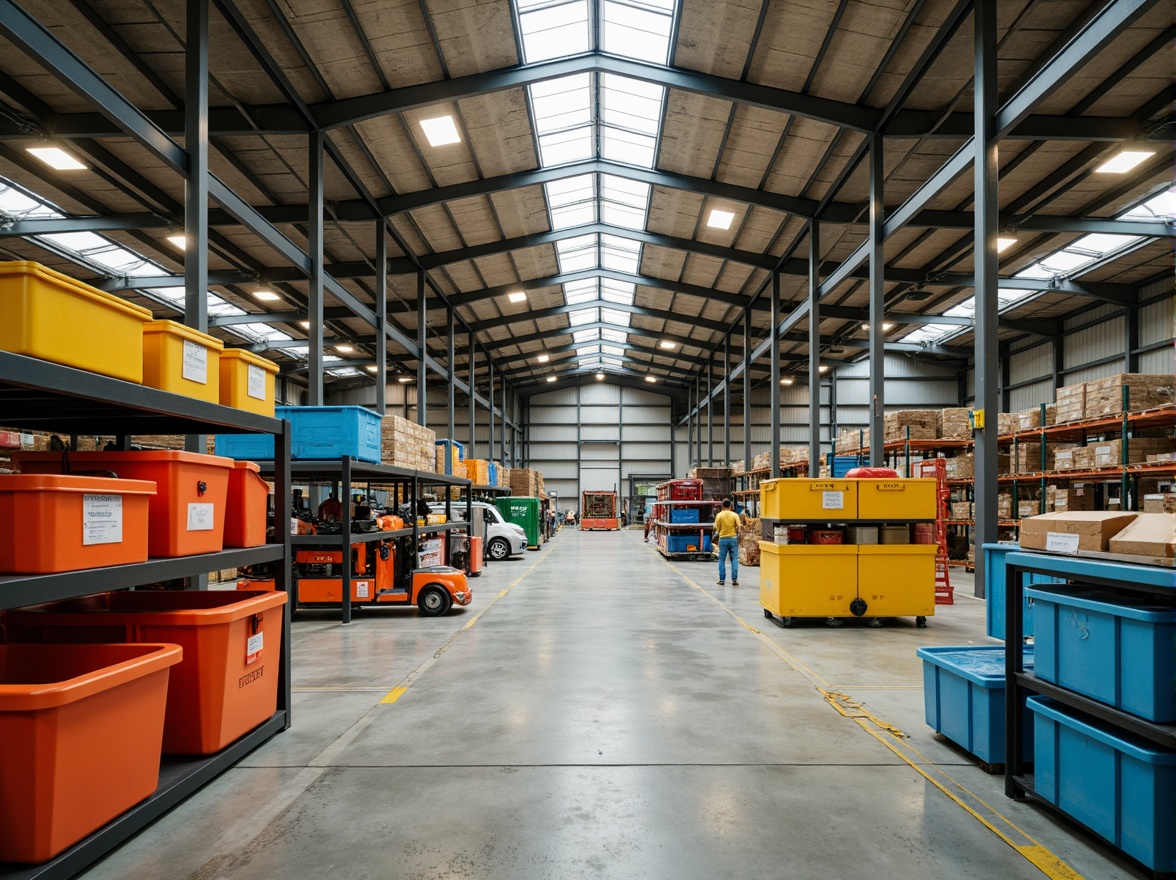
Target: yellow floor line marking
397	692
331	689
894	739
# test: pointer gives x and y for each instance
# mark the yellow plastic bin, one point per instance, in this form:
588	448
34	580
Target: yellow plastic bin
181	360
897	580
798	498
808	580
247	381
56	318
896	500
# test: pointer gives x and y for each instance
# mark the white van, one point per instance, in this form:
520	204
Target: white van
503	539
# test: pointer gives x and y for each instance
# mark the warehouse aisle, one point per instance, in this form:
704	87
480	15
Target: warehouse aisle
598	713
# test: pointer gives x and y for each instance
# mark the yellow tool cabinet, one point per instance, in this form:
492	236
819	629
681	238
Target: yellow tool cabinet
837	581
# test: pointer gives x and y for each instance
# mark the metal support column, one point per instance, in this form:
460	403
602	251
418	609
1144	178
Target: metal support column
422	367
690	402
774	381
727	402
814	297
877	305
471	450
196	186
710	412
1131	339
747	390
698	434
314	306
381	318
451	385
490	424
986	171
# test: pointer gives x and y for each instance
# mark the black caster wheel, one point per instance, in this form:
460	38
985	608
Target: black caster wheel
876	622
921	622
786	621
768	614
834	621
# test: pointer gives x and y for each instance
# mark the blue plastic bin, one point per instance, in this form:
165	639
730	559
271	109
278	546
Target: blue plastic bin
492	473
843	464
447	458
964	694
317	433
1120	654
683	543
684	515
1117	785
994	589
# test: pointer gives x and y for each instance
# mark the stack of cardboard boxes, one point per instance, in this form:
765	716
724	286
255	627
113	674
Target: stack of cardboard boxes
408	445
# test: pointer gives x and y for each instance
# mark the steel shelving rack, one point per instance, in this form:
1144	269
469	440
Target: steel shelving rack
35	394
346	472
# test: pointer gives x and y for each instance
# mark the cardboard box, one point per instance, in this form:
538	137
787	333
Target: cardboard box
961	510
1073	530
1007	423
1083	458
1064	459
861	535
953	424
923	424
1159	458
1077	497
1108	453
894	534
1071	403
1151	534
1159	502
1028	419
1145	391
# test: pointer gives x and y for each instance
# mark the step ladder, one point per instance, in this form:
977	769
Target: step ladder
936	468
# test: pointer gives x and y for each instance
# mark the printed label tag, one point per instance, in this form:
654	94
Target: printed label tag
255	643
1061	542
256	388
363	590
200	517
833	500
195	362
102	519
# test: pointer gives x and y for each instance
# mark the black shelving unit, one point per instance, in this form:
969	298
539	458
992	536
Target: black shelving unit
1119	577
346	472
38	395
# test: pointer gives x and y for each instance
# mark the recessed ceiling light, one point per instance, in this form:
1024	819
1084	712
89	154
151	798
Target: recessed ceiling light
344	348
440	131
404	380
305	325
517	297
886	325
180	241
1003	244
57	158
720	219
551	378
1124	161
543	358
651	379
600	377
667	345
823	369
787	380
265	295
372	368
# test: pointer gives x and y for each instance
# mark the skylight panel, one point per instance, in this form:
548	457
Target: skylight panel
1035	271
611	335
577	254
562	103
615	316
564	147
554	31
627	147
582	337
613	350
624	202
1102	243
583	316
17	204
609	361
1157	207
630	104
617	291
1064	261
79	242
619	254
587	351
269	333
928	333
638	30
572	201
581	291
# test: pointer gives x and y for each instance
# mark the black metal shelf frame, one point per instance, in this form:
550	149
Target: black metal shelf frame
45	396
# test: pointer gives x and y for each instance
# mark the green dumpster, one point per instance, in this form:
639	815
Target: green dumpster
524	512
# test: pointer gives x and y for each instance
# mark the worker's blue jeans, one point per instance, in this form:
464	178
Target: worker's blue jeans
729	546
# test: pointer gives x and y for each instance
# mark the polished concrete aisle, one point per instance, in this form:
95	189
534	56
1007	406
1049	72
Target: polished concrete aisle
601	713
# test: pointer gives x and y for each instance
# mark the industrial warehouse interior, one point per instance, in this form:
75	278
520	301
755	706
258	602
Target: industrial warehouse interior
587	439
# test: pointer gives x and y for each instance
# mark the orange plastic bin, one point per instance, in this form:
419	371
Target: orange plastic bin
245	512
51	523
187	514
227	683
81	727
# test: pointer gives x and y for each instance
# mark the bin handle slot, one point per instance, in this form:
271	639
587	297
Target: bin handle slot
201	487
255	624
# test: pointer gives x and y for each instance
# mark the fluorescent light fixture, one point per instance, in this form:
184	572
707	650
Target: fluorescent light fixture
266	295
180	241
720	219
667	345
1124	161
823	369
344	348
1003	244
305	325
517	297
886	325
787	380
371	368
551	378
404	380
651	379
600	377
440	131
57	158
543	358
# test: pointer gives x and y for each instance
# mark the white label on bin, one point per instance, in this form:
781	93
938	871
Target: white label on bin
363	589
200	517
195	362
833	500
102	519
256	382
1061	542
255	644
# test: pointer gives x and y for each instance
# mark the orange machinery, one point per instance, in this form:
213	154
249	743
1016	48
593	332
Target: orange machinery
598	511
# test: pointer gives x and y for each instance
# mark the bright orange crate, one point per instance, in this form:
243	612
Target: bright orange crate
245	510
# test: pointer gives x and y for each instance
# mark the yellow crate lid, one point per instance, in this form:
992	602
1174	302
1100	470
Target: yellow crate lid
244	354
15	268
174	328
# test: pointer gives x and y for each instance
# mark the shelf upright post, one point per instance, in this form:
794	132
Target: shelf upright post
382	318
451	385
877	283
774	380
1016	458
472	453
727	401
314	305
710	411
747	392
814	342
422	334
985	181
345	497
282	581
1123	442
490	423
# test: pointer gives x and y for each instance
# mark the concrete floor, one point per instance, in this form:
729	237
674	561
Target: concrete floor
601	713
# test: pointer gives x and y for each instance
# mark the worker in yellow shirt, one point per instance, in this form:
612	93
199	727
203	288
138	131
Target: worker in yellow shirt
727	530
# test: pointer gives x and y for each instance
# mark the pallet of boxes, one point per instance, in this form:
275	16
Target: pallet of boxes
406	444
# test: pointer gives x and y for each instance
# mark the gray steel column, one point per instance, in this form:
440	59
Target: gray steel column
381	318
1131	339
470	452
196	186
877	305
710	412
986	176
490	424
689	427
814	297
698	434
774	381
314	306
747	390
727	401
422	336
451	356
